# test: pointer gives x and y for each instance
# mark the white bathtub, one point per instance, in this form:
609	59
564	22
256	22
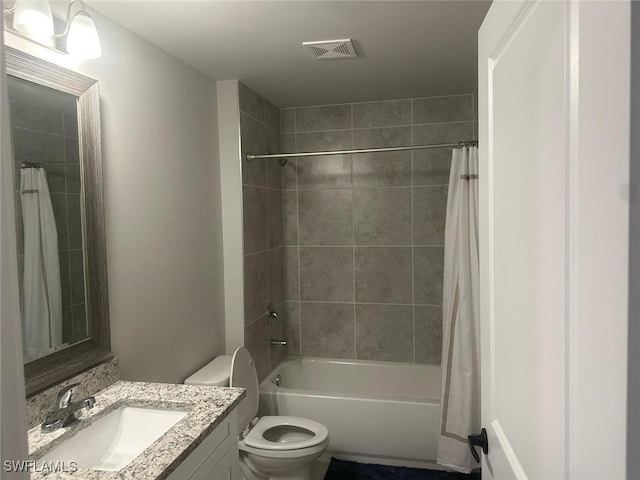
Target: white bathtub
383	412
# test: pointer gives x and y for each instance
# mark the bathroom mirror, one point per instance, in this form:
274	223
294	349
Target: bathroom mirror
55	126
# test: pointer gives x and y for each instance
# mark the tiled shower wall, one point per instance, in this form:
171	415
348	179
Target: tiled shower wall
50	137
262	219
363	234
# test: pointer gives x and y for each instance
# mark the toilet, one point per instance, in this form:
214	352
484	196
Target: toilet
271	447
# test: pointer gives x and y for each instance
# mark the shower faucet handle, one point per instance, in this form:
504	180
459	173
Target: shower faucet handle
271	314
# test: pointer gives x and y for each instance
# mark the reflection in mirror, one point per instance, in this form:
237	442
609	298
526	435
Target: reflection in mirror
60	219
44	131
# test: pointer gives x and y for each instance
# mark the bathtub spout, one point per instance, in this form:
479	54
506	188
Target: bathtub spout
278	343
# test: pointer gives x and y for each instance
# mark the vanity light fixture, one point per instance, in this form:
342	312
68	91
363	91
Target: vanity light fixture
32	19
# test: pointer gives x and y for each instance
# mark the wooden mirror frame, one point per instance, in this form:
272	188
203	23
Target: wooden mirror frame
44	372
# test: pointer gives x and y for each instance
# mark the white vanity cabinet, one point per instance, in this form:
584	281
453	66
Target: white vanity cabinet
216	458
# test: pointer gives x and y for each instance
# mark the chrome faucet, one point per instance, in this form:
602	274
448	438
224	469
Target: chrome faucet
64	413
271	314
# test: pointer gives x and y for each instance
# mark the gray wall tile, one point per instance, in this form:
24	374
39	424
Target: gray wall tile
276	275
57	178
65	278
274	218
428	265
324	172
383	275
75	221
429	215
273	143
383	169
272	116
290	174
253	140
384	332
443	109
24	115
80	330
251	102
442	133
272	166
70	126
30	146
254	201
277	331
71	151
60	213
431	166
292	314
274	173
288	142
331	117
291	277
326	274
320	141
67	325
290	218
382	216
382	137
76	268
428	334
325	217
256	289
393	201
327	330
382	114
73	182
288	120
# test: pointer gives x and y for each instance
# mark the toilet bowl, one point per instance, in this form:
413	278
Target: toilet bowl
271	447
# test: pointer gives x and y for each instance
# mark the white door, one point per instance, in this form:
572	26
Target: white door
554	160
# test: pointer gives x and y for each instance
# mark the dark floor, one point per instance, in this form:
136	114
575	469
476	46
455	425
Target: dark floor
345	470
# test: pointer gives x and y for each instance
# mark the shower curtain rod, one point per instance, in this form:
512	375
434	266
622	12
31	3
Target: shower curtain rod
31	165
250	157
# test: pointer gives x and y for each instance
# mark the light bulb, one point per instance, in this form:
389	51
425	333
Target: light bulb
83	40
34	18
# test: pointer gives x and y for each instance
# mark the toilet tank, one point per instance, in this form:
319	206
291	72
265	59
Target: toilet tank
215	373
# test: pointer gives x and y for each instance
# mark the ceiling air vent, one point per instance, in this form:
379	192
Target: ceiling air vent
326	49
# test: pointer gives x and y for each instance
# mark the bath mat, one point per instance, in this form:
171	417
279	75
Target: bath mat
345	470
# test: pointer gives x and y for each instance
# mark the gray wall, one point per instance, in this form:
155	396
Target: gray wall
633	400
49	135
364	233
262	226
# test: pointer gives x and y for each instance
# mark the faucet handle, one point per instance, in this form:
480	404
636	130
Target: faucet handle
66	395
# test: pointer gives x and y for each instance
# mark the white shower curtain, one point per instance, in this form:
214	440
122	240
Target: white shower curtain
41	292
460	401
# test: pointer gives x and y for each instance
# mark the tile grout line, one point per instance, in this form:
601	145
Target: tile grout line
353	252
378	101
267	209
382	127
295	146
413	287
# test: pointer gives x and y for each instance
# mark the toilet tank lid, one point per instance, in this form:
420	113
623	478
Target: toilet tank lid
215	373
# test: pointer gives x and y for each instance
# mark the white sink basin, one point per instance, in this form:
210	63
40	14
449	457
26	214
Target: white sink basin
113	441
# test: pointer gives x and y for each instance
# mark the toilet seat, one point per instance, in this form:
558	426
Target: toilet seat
304	433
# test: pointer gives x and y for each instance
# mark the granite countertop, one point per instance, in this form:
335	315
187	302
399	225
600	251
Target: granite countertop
206	407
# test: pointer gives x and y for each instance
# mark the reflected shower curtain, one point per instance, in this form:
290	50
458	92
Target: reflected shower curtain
460	400
41	285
